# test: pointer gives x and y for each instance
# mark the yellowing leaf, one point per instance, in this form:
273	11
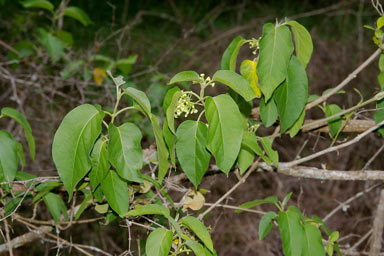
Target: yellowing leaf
248	71
99	75
194	200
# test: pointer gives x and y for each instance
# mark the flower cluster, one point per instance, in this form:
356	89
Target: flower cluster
204	82
185	105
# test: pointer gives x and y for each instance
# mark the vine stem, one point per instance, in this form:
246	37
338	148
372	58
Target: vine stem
241	181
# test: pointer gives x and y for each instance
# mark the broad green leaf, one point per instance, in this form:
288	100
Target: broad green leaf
236	82
248	71
125	64
251	204
170	112
159	242
124	150
380	22
245	158
162	151
43	4
73	143
313	242
88	200
99	162
291	232
303	42
185	76
250	141
225	121
268	112
381	62
141	99
197	248
267	145
198	228
276	49
265	224
56	206
168	97
20	119
335	123
291	96
190	149
149	209
116	191
8	157
229	59
78	14
170	140
53	45
297	125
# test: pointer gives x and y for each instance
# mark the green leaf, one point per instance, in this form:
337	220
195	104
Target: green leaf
78	14
291	96
268	112
168	97
43	4
297	125
380	22
141	99
225	121
125	64
248	71
8	157
53	45
267	145
379	115
335	123
73	143
228	61
56	206
170	140
149	209
313	242
99	162
251	204
291	232
88	200
162	151
275	51
236	82
197	248
124	150
303	42
185	76
116	191
159	242
170	112
20	119
381	62
198	228
190	149
245	158
265	224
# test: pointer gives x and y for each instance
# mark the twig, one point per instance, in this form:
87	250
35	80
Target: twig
349	200
378	225
349	78
235	208
251	169
24	239
334	148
